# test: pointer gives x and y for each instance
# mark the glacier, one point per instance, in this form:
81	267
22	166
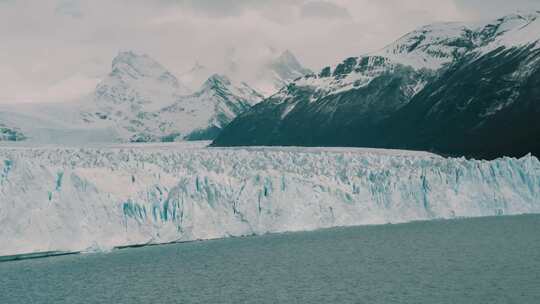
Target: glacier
98	197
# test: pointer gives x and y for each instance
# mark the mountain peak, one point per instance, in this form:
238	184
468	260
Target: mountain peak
523	15
514	30
287	61
217	80
280	71
138	81
132	65
221	85
287	57
131	58
126	56
433	46
513	22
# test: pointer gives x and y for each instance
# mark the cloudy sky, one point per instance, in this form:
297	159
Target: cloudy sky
57	50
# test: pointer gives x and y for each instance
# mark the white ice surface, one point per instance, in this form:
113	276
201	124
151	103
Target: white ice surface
99	197
54	124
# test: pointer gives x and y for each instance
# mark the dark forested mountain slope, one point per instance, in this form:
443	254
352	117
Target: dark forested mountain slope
481	107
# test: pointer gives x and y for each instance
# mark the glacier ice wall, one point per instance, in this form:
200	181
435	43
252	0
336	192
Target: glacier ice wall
73	199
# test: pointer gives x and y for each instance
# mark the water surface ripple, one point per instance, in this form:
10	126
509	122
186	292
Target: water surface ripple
487	260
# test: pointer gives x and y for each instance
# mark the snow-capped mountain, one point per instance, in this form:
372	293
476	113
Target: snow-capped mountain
267	76
138	101
145	102
436	45
88	199
139	81
202	115
287	68
446	87
136	87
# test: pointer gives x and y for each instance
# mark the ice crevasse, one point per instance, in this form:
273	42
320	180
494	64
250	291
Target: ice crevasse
98	198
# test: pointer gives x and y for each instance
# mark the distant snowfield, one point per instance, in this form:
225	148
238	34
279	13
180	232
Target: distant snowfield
54	124
97	197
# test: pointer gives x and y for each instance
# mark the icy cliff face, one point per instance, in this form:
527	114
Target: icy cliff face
99	198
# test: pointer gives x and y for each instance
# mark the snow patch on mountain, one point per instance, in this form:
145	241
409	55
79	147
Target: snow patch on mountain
434	46
426	50
429	47
511	31
351	73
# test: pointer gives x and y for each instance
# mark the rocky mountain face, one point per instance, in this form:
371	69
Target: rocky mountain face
458	89
202	115
145	102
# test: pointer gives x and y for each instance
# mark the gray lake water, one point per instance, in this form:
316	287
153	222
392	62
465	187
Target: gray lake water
488	260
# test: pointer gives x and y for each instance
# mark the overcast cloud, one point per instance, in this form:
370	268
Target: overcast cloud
57	50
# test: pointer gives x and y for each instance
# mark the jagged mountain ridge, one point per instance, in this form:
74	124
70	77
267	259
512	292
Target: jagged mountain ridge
210	109
383	99
139	81
147	103
138	101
